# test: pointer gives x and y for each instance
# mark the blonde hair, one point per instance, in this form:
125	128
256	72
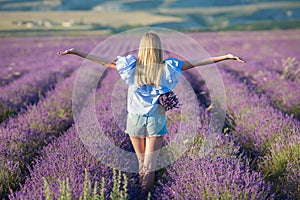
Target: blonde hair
149	66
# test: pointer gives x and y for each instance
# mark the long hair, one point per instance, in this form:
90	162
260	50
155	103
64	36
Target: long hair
149	66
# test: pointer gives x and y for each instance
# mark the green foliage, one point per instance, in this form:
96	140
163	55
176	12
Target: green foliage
280	158
119	191
47	190
8	176
102	189
5	113
274	166
65	191
290	69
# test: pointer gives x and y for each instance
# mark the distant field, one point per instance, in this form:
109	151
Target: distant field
116	16
17	23
233	8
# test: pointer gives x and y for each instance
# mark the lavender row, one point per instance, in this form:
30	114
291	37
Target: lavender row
213	176
272	70
29	89
42	71
19	58
65	158
264	52
270	137
68	157
22	137
259	48
259	129
22	56
279	86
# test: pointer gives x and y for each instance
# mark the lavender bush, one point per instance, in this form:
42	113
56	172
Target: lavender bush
281	166
260	129
29	89
281	92
195	177
67	157
261	50
23	136
273	71
23	56
290	69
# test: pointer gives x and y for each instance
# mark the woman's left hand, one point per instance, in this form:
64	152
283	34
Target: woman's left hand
68	51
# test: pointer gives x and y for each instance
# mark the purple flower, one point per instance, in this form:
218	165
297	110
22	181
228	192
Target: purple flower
169	101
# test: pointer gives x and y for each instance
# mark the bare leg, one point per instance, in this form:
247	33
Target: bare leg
153	145
139	145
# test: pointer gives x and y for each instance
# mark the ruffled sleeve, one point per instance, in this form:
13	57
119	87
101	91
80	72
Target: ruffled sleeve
125	67
172	73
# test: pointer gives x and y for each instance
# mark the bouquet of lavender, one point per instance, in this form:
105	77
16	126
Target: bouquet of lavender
169	101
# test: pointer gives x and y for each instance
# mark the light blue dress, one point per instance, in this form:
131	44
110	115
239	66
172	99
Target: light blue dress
143	100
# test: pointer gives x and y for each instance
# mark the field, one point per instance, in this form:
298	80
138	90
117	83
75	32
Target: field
255	156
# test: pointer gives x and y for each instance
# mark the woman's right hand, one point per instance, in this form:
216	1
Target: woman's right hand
233	57
68	51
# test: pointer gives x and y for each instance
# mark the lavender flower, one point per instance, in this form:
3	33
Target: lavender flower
169	101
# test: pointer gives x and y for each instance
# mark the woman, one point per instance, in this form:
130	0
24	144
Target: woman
148	76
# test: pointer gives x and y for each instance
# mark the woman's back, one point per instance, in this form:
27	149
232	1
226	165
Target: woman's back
143	99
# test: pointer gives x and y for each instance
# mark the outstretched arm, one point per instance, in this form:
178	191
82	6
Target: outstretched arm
103	61
194	63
